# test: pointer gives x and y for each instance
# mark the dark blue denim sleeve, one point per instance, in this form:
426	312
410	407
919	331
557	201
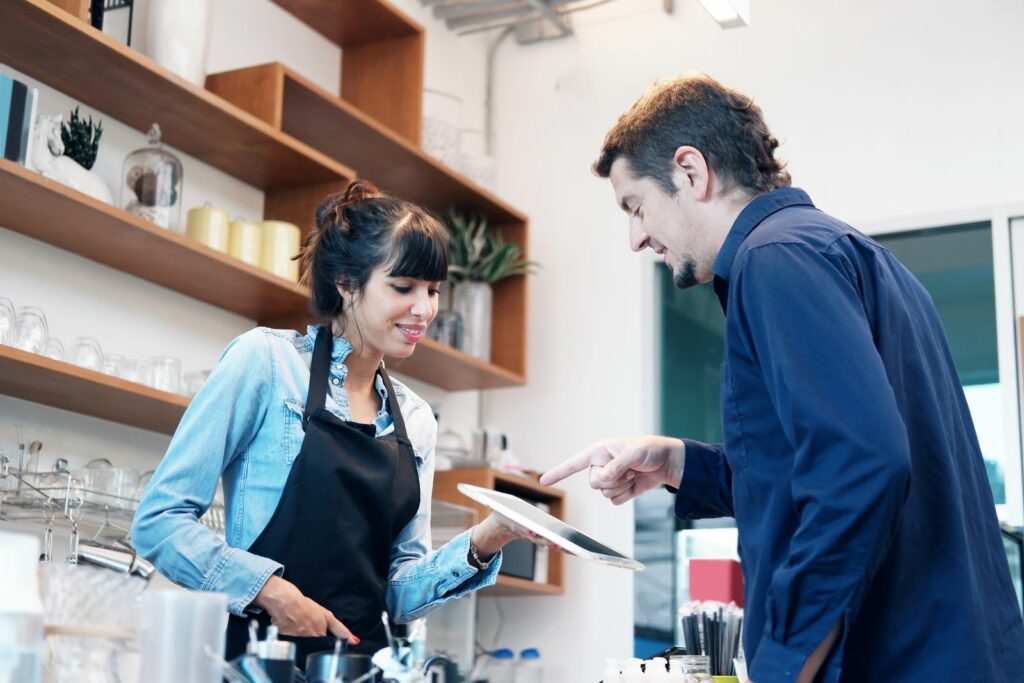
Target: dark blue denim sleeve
706	487
810	336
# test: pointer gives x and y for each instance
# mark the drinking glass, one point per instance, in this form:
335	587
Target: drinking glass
30	332
140	371
54	349
166	373
194	381
112	365
86	353
8	321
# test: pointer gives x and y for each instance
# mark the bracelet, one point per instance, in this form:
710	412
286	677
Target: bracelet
474	558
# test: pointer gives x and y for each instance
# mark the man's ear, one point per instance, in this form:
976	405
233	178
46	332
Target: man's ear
690	171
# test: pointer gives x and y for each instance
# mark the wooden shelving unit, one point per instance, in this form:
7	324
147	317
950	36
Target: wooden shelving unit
268	127
285	99
36	378
66	53
53	213
445	488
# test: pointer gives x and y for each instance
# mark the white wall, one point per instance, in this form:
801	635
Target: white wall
884	109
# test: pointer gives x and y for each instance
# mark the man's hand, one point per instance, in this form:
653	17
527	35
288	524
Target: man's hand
296	615
625	468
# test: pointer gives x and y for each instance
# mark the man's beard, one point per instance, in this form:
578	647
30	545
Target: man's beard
684	275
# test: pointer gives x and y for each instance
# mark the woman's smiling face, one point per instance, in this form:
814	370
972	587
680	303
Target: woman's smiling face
390	315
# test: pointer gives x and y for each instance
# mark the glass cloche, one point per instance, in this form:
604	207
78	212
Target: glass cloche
152	184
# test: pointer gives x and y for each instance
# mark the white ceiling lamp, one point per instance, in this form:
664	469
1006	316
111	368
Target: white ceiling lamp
728	13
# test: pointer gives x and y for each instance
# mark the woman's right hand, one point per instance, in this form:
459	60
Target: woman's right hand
296	615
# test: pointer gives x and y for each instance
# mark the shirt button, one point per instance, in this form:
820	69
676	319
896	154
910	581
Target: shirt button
456	573
334	380
338	366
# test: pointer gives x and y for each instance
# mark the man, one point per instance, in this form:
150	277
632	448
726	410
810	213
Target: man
868	535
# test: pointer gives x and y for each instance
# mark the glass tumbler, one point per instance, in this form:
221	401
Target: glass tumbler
112	365
140	371
86	353
30	332
8	321
54	349
166	373
194	381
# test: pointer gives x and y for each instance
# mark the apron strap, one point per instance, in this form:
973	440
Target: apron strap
396	412
319	371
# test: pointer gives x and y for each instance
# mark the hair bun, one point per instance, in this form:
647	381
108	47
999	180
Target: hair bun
360	190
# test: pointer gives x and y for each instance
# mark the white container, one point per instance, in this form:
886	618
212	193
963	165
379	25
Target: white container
21	610
529	669
175	628
496	667
176	36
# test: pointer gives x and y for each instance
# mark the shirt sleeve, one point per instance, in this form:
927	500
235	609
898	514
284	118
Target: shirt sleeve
218	425
801	313
706	487
420	579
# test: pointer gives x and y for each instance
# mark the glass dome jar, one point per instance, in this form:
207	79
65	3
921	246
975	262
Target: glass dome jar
151	188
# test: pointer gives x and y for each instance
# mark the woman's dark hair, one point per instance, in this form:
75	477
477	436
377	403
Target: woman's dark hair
362	229
696	110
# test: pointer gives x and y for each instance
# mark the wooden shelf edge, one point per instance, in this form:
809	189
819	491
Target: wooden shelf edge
377	128
62	21
386	21
35	378
80	209
460	371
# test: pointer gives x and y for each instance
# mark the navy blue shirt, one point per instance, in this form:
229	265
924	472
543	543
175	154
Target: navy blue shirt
850	463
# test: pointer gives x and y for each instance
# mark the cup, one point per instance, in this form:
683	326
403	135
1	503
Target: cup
280	243
194	381
139	371
166	373
8	321
176	627
112	365
86	353
30	332
209	225
54	349
245	241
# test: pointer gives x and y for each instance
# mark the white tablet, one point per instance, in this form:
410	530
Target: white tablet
568	538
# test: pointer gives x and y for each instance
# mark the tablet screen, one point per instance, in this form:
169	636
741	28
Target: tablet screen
553	524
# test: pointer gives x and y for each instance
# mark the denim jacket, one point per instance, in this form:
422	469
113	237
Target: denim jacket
245	426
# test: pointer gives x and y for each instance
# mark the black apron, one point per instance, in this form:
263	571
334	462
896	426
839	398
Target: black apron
348	496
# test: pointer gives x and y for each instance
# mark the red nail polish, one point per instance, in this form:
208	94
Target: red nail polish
355	640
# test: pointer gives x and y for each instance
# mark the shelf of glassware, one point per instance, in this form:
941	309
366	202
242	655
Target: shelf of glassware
62	385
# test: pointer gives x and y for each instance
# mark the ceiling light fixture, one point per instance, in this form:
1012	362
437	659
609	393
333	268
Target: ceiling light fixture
728	13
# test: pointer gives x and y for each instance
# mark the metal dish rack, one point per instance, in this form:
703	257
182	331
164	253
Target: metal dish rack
58	498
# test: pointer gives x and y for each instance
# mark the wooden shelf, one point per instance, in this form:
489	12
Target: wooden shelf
353	22
452	370
39	379
66	53
313	115
446	489
53	213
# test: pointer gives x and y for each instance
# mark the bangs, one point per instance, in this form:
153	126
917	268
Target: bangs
421	251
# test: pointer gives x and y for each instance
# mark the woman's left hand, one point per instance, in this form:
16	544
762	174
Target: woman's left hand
495	532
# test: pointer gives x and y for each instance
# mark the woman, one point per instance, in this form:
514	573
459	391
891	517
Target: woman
327	463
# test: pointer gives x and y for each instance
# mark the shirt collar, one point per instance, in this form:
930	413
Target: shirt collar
339	352
750	217
339	349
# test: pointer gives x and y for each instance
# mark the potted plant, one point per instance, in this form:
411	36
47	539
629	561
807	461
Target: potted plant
66	152
477	259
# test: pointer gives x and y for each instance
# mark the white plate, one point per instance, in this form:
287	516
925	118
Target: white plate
568	538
